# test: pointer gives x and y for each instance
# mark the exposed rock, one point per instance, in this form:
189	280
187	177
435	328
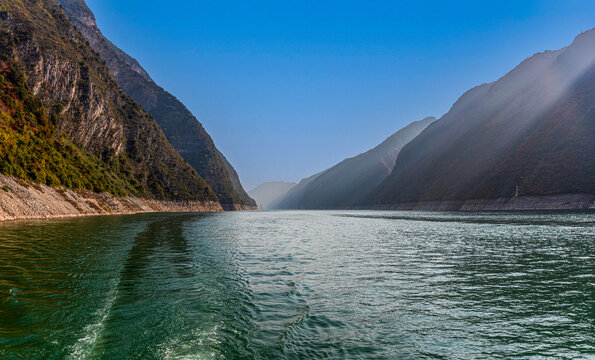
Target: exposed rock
179	125
20	200
81	102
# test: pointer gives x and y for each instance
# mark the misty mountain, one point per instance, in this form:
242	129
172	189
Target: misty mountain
293	197
270	193
350	181
180	127
534	127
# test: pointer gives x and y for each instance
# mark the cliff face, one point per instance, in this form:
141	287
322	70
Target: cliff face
64	120
180	127
533	128
349	182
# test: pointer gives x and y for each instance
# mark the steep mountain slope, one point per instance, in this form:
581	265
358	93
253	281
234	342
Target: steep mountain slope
270	193
349	182
64	121
247	203
180	127
533	128
292	199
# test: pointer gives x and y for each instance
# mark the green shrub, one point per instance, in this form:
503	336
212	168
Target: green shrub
30	150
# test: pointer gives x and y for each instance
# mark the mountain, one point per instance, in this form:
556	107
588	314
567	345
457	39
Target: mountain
293	197
534	128
247	202
349	182
180	127
65	122
270	193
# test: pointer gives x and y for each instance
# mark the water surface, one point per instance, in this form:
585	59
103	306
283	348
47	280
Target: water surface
299	285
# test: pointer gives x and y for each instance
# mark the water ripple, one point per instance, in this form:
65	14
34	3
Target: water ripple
299	285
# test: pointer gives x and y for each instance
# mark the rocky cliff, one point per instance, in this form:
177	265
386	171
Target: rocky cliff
181	128
65	122
248	203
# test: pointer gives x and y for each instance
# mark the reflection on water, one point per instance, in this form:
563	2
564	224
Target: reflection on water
295	285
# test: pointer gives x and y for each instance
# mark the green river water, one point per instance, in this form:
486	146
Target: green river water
300	285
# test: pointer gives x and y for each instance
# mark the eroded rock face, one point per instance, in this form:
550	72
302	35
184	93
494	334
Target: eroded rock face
87	106
21	200
180	126
67	87
84	110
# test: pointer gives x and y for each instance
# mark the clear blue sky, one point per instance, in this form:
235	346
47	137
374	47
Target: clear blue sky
289	88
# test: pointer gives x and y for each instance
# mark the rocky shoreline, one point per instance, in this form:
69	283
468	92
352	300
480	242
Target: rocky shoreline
238	207
21	200
521	203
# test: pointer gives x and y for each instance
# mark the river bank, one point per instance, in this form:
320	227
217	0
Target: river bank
521	203
21	200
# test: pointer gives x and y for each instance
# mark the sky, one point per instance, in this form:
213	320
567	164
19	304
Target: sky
289	88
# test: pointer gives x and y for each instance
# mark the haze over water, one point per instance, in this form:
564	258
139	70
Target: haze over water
299	285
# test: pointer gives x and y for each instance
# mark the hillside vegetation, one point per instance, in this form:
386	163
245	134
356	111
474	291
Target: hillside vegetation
64	121
31	149
181	128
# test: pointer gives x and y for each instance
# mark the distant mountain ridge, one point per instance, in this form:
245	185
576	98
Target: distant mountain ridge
180	127
268	194
349	182
292	199
532	130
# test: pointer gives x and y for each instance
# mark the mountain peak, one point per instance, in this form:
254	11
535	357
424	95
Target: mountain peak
80	130
84	19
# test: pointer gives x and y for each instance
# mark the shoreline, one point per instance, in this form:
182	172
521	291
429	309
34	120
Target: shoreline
521	203
25	200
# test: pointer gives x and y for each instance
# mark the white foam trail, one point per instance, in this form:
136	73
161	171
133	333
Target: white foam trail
200	337
85	346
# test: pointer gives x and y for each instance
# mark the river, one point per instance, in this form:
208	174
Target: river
299	285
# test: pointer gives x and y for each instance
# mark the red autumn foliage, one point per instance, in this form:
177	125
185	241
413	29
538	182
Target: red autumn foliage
4	68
